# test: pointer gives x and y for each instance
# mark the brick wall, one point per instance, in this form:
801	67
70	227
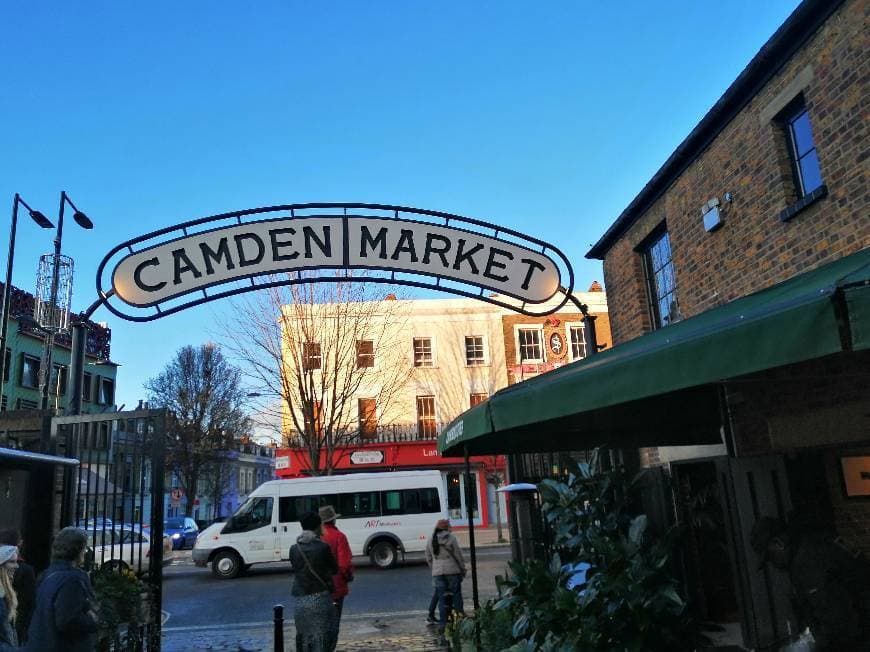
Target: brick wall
754	249
823	402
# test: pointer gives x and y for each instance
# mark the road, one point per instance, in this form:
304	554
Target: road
196	600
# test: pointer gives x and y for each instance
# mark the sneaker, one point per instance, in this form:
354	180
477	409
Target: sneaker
430	620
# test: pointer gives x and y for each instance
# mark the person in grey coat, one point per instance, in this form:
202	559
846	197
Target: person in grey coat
444	556
65	619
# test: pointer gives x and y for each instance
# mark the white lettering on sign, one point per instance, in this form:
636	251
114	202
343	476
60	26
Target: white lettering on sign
282	462
453	433
198	261
367	457
430	452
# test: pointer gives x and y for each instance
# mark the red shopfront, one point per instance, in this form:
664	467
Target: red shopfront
415	455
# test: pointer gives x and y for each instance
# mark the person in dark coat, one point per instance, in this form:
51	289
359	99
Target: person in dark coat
65	619
313	568
831	586
24	584
337	542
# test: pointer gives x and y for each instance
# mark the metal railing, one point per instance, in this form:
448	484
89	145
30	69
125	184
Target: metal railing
383	434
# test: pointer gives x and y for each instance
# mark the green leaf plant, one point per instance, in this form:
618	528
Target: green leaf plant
631	600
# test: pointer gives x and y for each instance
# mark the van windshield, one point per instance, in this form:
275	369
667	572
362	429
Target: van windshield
254	513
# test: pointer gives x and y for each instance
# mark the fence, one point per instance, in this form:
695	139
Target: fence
116	496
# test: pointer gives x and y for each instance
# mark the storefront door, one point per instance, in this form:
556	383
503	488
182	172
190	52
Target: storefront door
456	498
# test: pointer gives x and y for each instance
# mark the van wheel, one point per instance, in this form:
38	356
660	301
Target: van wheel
384	554
226	565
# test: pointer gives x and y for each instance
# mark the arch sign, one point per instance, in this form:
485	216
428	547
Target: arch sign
166	271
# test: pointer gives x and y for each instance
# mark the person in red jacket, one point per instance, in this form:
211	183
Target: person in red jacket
341	551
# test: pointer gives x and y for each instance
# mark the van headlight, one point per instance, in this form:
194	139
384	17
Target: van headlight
176	536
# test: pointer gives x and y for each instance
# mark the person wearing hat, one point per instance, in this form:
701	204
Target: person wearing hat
65	619
444	556
831	586
337	542
313	569
24	584
8	598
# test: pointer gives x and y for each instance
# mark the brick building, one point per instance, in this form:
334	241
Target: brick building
738	291
770	187
533	345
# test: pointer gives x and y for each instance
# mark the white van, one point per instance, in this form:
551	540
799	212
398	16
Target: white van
381	514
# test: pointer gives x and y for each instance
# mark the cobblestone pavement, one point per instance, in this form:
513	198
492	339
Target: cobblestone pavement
388	632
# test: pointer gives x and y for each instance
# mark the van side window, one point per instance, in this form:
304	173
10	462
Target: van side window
391	502
411	501
361	503
291	508
255	513
287	509
429	502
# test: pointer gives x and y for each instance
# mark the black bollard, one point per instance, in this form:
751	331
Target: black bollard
279	627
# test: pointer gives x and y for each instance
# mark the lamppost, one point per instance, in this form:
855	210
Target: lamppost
42	221
76	366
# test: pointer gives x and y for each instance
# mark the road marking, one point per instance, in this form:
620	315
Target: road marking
270	623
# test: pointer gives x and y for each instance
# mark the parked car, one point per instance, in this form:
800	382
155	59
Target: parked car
182	530
94	524
126	548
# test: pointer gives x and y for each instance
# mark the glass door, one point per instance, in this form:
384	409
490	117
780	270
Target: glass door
456	504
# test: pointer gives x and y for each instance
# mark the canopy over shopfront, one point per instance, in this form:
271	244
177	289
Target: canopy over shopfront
661	388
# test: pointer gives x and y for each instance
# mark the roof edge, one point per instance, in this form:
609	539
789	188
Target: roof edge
797	29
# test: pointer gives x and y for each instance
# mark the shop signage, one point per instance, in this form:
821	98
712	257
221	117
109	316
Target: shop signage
432	250
367	457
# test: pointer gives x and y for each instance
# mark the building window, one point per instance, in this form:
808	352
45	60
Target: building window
426	417
530	348
367	411
105	391
802	148
365	354
475	351
423	352
313	419
87	387
24	404
311	358
478	397
578	342
29	371
6	370
661	280
58	379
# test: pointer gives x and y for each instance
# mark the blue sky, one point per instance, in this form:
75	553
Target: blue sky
544	117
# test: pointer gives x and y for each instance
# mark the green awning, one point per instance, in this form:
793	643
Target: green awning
660	389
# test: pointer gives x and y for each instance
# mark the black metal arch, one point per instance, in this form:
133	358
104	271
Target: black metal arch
105	293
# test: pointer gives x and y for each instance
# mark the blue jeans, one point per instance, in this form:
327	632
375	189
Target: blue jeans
448	586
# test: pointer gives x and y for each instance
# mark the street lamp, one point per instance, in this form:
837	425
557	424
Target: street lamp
42	221
77	353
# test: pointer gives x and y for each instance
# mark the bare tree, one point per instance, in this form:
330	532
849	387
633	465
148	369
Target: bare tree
326	361
204	396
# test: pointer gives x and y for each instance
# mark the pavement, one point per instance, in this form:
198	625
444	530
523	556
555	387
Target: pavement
378	617
359	632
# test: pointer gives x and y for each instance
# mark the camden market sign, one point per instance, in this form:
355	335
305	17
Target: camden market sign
175	268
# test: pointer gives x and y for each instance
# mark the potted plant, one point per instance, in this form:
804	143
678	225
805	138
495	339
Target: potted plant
122	602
